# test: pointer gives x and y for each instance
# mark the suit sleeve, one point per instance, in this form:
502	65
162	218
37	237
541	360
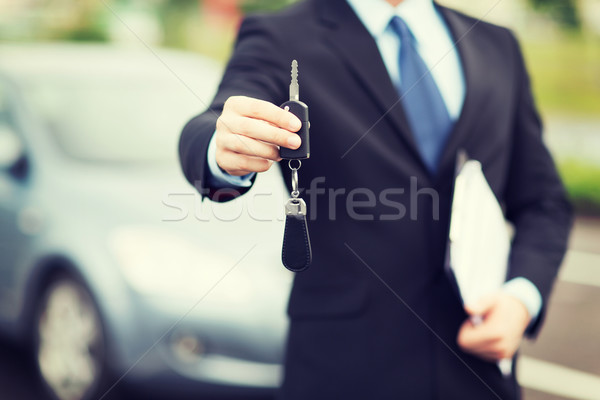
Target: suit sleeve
256	69
536	201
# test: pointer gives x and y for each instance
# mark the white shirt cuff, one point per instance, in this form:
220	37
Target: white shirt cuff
219	178
526	292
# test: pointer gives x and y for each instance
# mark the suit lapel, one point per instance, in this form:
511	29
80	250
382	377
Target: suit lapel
351	40
467	51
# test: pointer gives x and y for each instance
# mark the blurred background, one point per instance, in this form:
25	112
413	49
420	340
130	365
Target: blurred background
73	66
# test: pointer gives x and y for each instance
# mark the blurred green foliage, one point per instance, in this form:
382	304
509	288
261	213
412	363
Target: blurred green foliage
92	31
83	20
249	6
583	185
565	77
174	16
565	74
85	35
564	12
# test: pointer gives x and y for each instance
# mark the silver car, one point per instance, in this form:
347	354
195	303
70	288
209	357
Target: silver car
111	267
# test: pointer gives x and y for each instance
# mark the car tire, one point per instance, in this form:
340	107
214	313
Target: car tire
69	346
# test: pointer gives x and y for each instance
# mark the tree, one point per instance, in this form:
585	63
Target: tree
248	6
562	11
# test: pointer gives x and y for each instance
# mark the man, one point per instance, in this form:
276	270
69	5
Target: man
395	90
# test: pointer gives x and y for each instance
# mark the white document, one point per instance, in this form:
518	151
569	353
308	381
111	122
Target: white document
479	239
479	236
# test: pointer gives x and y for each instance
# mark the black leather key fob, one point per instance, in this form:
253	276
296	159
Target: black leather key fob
296	252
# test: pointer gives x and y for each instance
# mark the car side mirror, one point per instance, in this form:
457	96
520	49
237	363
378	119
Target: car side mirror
11	147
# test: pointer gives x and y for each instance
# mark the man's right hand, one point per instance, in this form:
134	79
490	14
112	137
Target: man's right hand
249	134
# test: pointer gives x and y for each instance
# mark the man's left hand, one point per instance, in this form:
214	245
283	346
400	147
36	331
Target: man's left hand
499	335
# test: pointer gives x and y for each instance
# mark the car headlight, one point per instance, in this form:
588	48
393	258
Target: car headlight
156	261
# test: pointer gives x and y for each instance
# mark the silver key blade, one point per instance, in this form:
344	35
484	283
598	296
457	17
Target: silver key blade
294	87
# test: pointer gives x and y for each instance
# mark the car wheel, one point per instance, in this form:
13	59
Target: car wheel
69	343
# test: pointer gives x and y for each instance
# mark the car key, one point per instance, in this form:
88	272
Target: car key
296	252
300	110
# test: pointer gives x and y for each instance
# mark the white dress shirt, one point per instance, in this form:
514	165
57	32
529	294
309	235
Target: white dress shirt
437	49
433	42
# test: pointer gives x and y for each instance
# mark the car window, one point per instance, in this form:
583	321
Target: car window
11	145
7	118
3	104
112	118
7	107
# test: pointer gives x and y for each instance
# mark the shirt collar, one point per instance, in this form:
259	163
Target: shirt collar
376	15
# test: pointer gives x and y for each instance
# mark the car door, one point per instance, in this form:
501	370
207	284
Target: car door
14	187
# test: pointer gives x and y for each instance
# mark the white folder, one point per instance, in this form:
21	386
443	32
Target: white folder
479	238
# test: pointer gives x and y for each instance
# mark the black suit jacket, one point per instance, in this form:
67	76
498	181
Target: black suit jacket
375	317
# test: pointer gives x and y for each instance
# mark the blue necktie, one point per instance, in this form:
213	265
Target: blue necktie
421	99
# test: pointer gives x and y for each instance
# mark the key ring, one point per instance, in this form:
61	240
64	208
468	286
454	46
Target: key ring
292	168
295	192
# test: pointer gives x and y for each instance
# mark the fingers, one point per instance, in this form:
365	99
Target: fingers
477	337
500	333
260	130
483	342
483	306
250	132
240	164
265	111
247	146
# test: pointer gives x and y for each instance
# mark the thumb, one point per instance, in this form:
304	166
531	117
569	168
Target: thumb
482	306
